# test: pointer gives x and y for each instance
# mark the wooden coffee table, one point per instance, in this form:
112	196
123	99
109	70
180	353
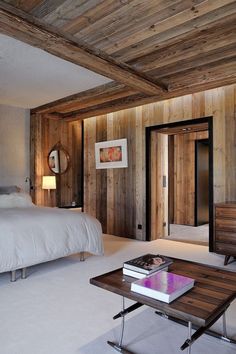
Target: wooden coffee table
200	307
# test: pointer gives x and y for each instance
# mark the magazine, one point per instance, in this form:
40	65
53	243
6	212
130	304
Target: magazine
163	286
138	275
147	264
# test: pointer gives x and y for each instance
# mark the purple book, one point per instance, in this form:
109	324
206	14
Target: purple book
163	286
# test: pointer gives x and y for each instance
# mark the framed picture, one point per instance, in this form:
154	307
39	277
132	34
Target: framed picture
111	154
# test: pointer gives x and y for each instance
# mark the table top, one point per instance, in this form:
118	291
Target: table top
213	291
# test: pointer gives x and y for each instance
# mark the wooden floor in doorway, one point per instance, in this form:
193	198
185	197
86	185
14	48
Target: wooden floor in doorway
189	234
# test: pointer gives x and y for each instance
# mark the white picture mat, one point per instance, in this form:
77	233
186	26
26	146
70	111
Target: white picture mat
112	164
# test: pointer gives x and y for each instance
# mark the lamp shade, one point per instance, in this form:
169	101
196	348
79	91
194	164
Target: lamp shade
49	182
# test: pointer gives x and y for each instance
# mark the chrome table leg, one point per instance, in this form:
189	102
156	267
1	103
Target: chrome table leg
118	347
224	334
189	336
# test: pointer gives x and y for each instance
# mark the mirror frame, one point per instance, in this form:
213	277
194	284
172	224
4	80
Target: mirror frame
59	146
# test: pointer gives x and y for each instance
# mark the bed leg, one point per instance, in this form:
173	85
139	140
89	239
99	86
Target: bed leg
23	273
13	275
82	257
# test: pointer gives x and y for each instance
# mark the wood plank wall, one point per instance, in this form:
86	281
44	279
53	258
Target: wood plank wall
45	133
159	192
117	197
184	177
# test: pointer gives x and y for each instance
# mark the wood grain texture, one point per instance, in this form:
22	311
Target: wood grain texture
159	193
45	133
213	291
158	49
225	229
126	190
184	177
32	31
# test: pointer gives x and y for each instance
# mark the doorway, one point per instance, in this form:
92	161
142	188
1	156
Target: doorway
179	182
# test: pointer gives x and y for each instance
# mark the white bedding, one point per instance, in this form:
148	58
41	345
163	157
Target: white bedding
33	235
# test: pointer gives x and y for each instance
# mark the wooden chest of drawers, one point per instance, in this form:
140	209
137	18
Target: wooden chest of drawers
225	229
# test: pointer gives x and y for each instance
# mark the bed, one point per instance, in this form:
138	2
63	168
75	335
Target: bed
31	235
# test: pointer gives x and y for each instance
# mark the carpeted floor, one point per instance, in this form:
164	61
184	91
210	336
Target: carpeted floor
56	311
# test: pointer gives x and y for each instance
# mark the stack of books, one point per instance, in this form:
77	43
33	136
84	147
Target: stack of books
163	286
143	266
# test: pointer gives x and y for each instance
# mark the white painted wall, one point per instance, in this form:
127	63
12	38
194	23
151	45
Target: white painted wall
14	146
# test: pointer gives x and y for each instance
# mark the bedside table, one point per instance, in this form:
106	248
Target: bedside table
72	207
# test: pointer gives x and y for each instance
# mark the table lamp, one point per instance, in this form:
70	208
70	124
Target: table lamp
49	182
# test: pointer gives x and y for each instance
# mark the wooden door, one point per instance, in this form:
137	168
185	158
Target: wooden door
159	185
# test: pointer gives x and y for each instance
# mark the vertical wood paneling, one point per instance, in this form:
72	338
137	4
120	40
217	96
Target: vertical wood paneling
184	176
45	133
90	192
101	175
126	190
218	105
110	181
230	138
138	149
159	193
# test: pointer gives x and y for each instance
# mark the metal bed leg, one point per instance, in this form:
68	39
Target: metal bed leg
82	258
23	273
13	275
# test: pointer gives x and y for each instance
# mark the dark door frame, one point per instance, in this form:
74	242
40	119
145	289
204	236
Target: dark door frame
148	132
197	142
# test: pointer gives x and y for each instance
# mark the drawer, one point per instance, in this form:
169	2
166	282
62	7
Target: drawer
225	212
225	248
226	237
225	224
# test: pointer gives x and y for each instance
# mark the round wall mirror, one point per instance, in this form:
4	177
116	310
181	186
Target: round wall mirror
58	159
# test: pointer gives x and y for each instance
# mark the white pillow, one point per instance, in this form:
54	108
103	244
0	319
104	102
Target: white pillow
9	189
15	200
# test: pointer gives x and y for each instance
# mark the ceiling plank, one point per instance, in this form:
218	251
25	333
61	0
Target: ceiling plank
102	10
125	39
28	29
216	38
25	5
130	15
177	33
204	74
179	66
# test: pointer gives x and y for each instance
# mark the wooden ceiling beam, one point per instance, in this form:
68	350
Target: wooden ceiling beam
97	95
139	100
28	29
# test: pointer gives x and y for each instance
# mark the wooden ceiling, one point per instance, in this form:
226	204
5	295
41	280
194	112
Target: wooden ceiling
152	49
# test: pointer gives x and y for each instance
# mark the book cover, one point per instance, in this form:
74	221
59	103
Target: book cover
147	264
163	286
138	275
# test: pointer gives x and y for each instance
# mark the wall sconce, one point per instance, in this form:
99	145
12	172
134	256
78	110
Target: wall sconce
49	182
28	179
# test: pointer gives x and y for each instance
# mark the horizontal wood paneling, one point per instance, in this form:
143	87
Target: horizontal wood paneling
125	188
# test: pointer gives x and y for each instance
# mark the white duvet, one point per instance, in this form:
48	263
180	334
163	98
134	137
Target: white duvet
38	234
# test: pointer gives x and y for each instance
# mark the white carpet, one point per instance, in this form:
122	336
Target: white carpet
56	311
